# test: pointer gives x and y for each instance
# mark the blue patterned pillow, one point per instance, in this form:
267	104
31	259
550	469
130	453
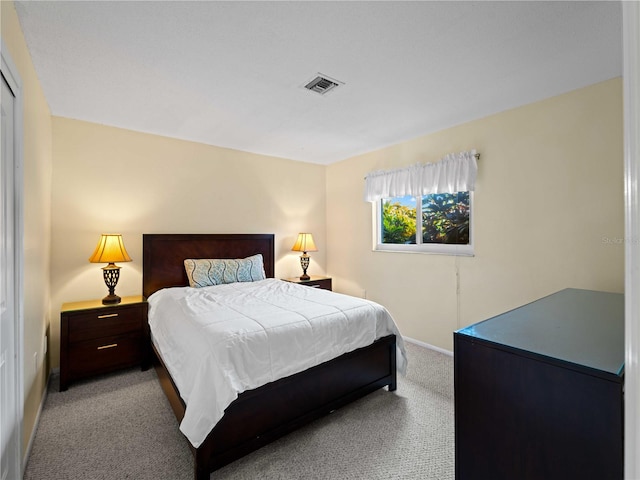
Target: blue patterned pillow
204	272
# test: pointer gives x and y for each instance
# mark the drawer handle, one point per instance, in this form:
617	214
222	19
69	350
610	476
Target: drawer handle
108	315
108	346
314	286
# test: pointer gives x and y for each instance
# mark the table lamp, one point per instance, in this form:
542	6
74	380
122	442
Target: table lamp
304	244
110	249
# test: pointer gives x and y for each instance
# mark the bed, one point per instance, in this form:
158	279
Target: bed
263	414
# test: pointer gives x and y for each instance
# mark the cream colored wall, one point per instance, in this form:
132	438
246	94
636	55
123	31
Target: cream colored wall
109	180
37	163
549	214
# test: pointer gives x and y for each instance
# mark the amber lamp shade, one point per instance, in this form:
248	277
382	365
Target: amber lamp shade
304	243
110	249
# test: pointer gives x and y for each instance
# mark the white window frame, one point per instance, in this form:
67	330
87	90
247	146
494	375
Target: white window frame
419	247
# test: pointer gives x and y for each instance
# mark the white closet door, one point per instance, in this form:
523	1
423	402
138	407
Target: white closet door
9	414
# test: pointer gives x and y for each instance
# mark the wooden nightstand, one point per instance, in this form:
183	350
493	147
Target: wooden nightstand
315	281
97	338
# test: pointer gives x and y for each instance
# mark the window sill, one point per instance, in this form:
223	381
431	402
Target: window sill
439	249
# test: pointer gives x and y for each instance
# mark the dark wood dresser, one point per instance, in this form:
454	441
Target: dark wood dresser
97	338
539	391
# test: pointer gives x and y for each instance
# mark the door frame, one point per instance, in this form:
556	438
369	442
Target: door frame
631	106
11	75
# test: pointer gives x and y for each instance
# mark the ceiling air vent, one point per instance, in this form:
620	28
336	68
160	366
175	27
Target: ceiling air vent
322	84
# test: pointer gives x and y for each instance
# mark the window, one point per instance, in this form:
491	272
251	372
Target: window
425	207
443	225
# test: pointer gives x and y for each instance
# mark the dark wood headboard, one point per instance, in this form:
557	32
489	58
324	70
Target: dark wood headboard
163	255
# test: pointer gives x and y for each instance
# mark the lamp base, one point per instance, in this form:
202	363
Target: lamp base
304	263
111	275
111	299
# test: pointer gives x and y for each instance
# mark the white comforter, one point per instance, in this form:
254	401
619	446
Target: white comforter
219	341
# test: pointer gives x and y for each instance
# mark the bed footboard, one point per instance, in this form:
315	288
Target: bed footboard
258	417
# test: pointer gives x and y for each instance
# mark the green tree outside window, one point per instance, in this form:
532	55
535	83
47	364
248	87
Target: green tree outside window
398	223
444	219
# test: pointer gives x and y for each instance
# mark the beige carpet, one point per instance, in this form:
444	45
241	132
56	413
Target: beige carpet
120	426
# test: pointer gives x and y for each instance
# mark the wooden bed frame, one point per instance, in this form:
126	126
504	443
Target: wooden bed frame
260	416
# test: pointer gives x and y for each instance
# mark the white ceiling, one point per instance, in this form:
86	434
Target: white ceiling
232	73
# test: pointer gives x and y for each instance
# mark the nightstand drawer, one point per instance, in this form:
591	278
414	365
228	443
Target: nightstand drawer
103	323
104	354
324	284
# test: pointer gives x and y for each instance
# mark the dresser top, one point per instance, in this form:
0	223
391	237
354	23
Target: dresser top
582	327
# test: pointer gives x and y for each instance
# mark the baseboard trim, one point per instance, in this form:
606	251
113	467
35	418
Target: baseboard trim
27	454
427	345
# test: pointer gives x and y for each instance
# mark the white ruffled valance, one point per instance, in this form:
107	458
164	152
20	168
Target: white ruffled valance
455	172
